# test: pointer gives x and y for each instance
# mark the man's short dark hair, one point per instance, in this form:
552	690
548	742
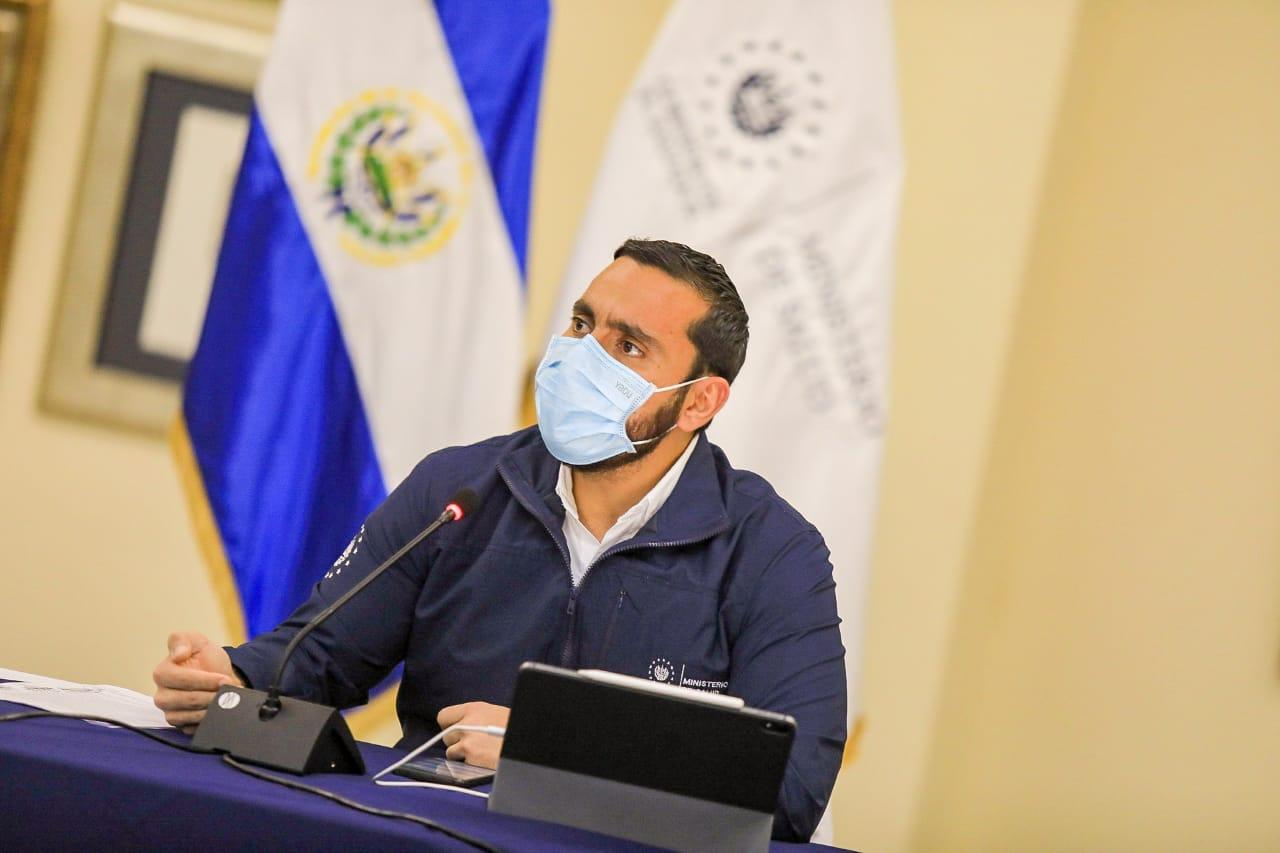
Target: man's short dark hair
720	335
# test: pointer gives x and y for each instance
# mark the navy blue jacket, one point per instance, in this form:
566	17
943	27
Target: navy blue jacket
726	588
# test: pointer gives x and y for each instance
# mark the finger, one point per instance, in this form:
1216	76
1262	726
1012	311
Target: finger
183	718
452	714
450	738
177	677
457	752
180	677
182	700
188	730
183	644
179	647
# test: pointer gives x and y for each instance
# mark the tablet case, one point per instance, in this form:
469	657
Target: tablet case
660	768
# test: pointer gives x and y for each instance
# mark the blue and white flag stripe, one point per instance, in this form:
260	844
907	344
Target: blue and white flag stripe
498	49
271	403
372	266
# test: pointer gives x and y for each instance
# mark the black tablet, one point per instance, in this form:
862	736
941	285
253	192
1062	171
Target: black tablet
650	762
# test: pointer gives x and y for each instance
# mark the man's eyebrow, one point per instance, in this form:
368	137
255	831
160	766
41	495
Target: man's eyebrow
630	331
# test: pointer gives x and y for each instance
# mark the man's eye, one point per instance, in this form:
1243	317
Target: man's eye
579	326
631	349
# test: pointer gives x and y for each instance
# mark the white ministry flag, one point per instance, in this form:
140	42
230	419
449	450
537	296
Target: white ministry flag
765	133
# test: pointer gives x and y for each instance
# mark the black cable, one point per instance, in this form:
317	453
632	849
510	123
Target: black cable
259	774
360	807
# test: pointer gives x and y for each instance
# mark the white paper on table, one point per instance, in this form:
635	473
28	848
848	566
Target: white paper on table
30	678
66	697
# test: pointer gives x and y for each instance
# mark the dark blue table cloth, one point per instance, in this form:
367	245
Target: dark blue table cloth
67	784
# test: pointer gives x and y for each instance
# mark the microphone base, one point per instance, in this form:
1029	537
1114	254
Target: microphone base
302	738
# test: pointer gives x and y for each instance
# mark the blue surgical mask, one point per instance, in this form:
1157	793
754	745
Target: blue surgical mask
584	397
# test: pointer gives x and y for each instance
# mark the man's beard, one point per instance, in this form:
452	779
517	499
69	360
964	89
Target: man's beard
655	427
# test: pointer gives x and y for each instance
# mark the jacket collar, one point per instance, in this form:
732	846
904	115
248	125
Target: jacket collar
694	511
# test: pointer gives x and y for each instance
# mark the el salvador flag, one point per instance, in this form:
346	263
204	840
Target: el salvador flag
367	306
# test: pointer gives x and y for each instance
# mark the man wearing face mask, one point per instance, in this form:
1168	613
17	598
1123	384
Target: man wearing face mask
613	536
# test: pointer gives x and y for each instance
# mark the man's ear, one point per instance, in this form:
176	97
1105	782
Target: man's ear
704	401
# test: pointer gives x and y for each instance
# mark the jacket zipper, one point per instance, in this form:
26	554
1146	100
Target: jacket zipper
572	607
618	549
608	631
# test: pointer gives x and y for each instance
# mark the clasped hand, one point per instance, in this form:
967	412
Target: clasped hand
189	676
473	747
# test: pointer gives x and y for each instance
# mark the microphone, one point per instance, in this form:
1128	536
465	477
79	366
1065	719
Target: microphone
292	734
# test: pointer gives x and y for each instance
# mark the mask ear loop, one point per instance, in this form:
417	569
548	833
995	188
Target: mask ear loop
673	426
655	438
680	384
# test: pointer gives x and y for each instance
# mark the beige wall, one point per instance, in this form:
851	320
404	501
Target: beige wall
1075	619
1113	683
979	85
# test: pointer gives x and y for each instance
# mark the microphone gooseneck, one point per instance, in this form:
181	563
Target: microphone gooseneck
462	505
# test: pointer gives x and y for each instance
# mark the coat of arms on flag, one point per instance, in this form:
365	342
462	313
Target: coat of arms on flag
398	171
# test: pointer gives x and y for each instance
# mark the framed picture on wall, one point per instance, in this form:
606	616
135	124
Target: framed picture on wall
171	116
22	26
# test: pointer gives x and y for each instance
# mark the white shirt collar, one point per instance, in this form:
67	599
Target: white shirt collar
630	522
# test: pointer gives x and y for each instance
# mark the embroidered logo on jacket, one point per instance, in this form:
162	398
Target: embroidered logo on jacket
664	672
